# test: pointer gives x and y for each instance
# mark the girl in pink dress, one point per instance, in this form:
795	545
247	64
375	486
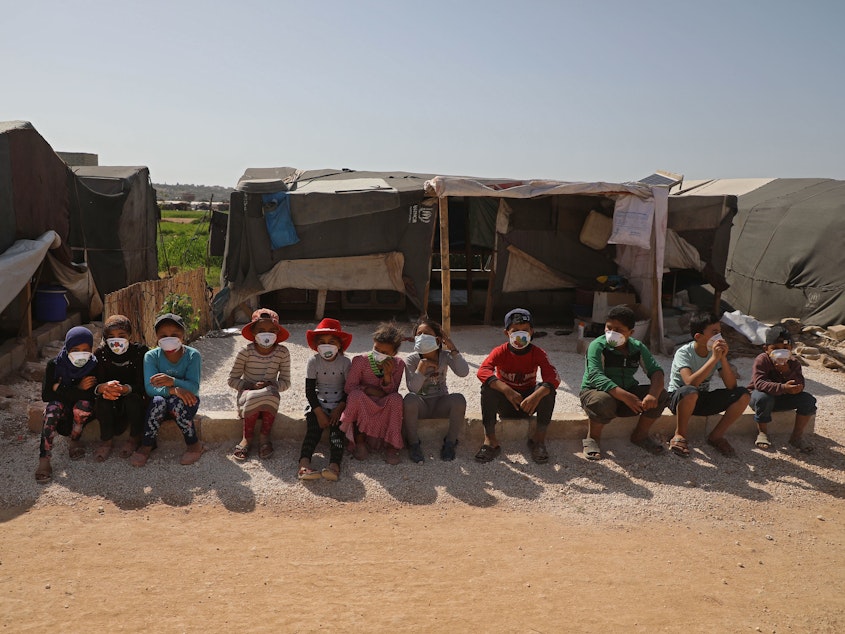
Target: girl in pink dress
373	413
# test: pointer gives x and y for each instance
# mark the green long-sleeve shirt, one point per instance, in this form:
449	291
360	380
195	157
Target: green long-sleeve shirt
607	368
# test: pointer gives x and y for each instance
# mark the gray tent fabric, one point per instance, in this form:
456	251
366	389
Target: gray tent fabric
114	220
34	187
337	214
786	254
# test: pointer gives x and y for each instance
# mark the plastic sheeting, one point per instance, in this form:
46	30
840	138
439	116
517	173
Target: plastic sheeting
19	263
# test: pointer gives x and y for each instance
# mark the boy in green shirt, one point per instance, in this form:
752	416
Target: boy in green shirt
609	388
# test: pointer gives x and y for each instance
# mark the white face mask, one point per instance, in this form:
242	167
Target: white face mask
170	344
265	339
714	340
118	345
379	356
425	343
79	359
327	350
780	356
614	339
519	339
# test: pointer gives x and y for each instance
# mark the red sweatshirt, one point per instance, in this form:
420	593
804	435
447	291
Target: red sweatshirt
765	376
519	371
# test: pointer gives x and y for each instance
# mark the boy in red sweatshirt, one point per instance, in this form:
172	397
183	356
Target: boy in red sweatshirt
509	386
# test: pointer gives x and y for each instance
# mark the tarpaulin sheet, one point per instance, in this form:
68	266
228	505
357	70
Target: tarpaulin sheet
19	263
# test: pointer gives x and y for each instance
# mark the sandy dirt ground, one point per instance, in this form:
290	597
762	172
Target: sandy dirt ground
95	568
633	543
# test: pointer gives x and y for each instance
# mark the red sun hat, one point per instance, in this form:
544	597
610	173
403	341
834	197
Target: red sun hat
265	313
328	326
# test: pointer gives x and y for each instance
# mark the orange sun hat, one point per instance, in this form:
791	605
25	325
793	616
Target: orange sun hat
328	327
265	313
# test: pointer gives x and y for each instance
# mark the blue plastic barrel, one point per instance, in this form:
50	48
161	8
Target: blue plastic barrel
51	303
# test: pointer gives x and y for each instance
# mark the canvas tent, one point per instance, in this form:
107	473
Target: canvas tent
786	257
326	230
113	225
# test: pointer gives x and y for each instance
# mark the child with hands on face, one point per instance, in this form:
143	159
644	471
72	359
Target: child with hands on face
693	365
172	376
373	413
777	384
68	390
260	373
325	382
428	397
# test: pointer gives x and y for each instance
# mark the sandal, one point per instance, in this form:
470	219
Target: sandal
722	446
130	446
679	446
44	472
650	445
488	453
102	453
265	450
591	449
75	450
306	473
240	452
331	474
539	454
763	441
191	456
139	459
391	455
360	452
802	444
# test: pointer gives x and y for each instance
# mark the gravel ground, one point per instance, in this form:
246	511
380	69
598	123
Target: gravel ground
627	484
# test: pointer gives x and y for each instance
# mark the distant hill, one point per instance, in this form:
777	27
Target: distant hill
192	193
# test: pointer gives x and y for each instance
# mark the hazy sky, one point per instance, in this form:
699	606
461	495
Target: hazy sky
612	90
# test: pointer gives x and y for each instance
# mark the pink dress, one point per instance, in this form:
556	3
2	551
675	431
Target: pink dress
379	418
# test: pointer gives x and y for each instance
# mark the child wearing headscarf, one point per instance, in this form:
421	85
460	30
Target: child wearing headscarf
68	390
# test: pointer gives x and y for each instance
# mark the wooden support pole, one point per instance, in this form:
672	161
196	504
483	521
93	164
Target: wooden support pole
491	281
445	272
321	304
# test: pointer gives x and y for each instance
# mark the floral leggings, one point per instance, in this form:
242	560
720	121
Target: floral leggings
65	420
162	407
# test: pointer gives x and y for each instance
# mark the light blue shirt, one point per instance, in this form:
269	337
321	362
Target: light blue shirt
186	371
687	357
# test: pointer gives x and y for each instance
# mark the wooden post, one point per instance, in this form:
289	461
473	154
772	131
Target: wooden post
321	304
445	272
491	281
468	262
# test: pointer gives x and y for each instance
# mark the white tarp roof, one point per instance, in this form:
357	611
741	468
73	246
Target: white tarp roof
721	187
19	263
441	186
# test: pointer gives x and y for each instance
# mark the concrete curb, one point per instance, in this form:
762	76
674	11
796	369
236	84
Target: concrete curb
225	427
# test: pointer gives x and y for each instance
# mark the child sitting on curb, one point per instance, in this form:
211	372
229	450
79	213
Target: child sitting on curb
428	396
609	388
261	371
373	414
68	391
689	385
325	380
509	387
172	379
777	382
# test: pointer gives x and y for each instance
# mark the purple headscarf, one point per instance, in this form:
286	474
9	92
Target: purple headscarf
66	372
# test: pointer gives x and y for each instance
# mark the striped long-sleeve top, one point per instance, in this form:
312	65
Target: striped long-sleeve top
251	366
